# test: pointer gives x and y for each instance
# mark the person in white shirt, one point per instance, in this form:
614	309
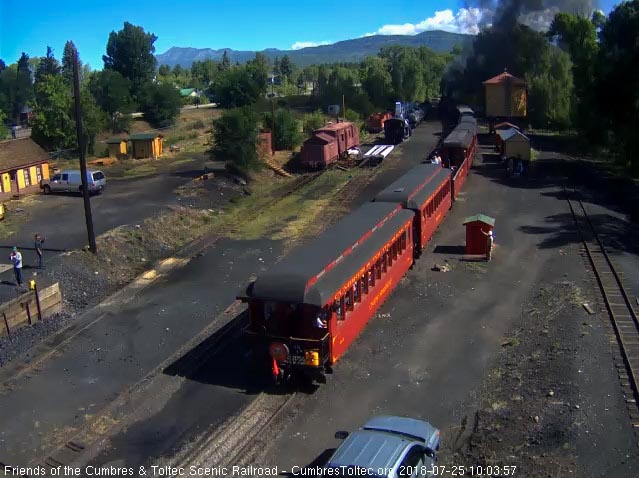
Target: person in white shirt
320	320
16	259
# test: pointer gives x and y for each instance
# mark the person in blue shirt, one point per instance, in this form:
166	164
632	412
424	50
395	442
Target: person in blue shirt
16	259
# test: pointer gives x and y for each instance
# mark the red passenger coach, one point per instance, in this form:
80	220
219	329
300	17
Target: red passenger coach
327	144
308	308
425	189
458	152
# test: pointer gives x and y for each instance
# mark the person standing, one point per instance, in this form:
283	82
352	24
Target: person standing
16	259
489	243
38	244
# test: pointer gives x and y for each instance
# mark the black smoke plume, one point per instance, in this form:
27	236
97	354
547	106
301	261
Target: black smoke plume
537	14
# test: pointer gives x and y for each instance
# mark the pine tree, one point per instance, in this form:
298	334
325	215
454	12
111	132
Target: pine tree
23	86
67	62
47	66
226	61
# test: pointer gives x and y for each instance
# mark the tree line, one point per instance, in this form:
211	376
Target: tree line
582	74
126	84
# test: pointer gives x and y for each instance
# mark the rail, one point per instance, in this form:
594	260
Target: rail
618	304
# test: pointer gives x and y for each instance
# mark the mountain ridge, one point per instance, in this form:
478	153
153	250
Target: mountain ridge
351	50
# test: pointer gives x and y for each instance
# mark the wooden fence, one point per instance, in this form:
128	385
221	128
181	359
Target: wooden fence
29	308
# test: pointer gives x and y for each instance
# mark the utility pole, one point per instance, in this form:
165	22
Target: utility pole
343	108
273	124
81	147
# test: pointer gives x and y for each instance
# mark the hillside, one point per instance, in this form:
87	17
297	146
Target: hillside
343	51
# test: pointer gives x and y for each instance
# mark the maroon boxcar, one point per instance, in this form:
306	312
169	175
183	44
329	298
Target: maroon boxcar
307	309
319	150
328	143
425	189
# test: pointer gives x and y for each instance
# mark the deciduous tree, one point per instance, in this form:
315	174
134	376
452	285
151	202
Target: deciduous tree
161	104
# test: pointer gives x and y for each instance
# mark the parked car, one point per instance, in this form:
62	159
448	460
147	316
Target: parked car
71	181
389	447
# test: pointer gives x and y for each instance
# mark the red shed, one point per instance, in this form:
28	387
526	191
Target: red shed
476	241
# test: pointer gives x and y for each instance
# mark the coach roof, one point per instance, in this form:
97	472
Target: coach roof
459	138
414	188
313	272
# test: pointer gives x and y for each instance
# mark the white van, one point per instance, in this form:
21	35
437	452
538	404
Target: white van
71	181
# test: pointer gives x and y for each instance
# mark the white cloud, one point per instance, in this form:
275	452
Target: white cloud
466	20
307	44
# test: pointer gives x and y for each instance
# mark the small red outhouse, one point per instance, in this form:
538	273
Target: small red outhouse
476	226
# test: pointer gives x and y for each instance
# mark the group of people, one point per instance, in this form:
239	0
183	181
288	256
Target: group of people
16	258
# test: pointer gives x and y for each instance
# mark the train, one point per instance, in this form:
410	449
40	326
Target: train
329	143
306	310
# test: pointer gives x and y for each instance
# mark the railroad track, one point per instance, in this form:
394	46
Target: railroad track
236	441
622	313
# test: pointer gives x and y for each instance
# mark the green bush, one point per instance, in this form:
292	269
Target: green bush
351	115
287	133
161	104
313	121
235	135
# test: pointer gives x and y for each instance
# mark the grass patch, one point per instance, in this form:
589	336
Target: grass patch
265	213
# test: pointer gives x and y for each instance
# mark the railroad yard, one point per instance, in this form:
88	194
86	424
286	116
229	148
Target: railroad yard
514	360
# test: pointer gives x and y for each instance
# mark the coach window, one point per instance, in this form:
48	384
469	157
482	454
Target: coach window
378	269
364	280
395	251
404	240
349	300
339	308
357	292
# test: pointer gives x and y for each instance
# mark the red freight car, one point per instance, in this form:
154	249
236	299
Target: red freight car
308	308
425	189
376	122
329	143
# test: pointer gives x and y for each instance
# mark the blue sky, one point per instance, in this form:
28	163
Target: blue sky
31	25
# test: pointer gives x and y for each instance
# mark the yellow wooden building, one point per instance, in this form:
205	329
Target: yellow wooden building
117	147
506	96
23	164
146	145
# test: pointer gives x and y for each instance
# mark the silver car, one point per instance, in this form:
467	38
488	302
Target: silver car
71	181
387	447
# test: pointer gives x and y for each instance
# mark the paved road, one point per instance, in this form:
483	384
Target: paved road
118	351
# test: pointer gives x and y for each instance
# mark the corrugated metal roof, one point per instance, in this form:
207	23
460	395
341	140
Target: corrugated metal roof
481	218
367	228
17	153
